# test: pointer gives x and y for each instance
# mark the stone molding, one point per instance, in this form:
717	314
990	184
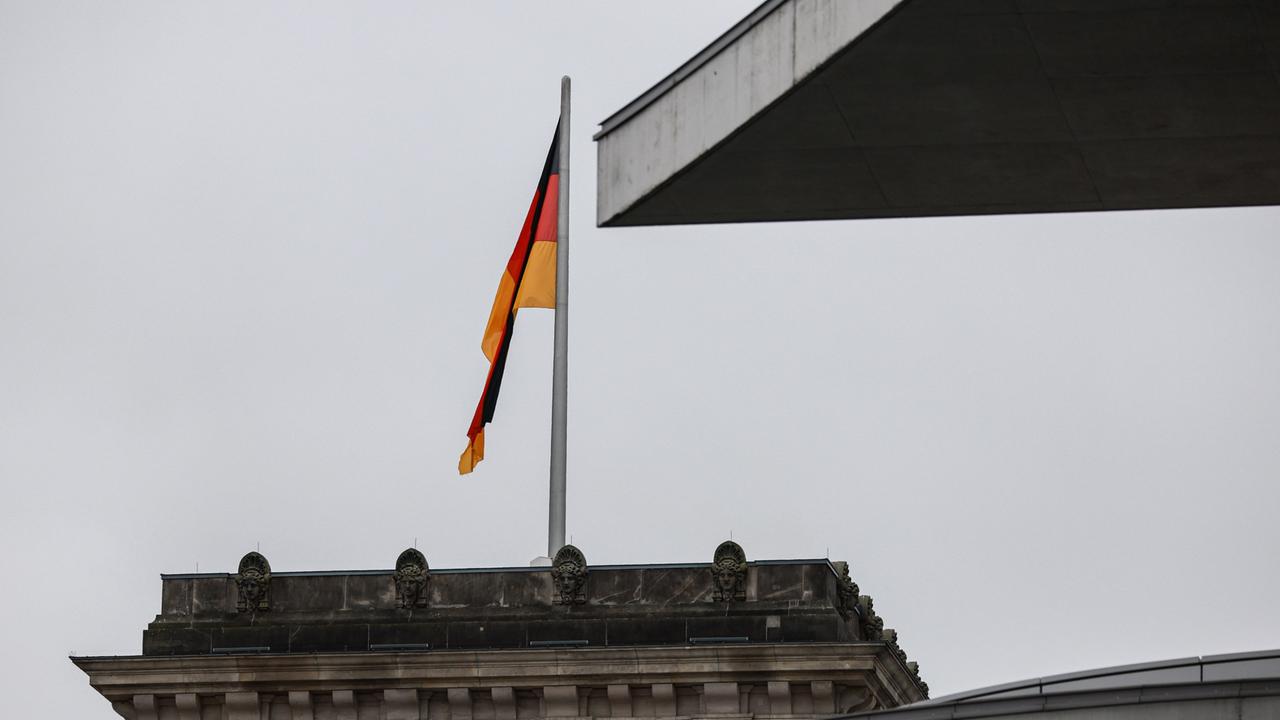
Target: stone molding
754	680
726	700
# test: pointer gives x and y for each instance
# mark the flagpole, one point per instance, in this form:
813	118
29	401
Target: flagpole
560	363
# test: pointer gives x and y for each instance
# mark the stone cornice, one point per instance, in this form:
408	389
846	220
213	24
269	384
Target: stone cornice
872	664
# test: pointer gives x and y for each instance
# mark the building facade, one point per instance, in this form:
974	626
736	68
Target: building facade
726	639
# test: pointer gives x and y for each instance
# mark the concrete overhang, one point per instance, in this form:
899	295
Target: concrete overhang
825	109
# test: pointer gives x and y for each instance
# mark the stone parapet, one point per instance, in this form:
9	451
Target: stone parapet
788	601
213	596
726	639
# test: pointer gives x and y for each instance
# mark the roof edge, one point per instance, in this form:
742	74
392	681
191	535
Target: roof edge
515	569
690	66
997	693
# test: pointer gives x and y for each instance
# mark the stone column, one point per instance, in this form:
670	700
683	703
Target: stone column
619	701
459	704
242	706
779	698
664	700
344	705
300	706
560	701
189	706
144	707
824	697
721	698
401	704
504	703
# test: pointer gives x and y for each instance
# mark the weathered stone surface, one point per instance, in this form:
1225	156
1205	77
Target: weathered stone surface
253	581
795	601
729	572
411	579
242	706
780	698
188	706
561	701
344	705
459	703
300	706
763	639
504	703
620	700
569	572
796	679
721	698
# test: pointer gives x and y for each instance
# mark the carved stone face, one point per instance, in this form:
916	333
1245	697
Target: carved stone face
567	579
848	589
569	575
252	588
253	583
875	628
726	574
411	580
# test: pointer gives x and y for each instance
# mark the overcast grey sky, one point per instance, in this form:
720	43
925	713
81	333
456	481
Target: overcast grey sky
247	251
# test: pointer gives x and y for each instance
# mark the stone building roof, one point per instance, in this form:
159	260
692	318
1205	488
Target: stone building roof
768	639
570	604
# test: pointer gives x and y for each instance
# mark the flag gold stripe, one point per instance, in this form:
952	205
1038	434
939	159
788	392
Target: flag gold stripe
472	455
538	290
498	316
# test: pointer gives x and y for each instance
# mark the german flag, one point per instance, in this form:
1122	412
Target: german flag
529	281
